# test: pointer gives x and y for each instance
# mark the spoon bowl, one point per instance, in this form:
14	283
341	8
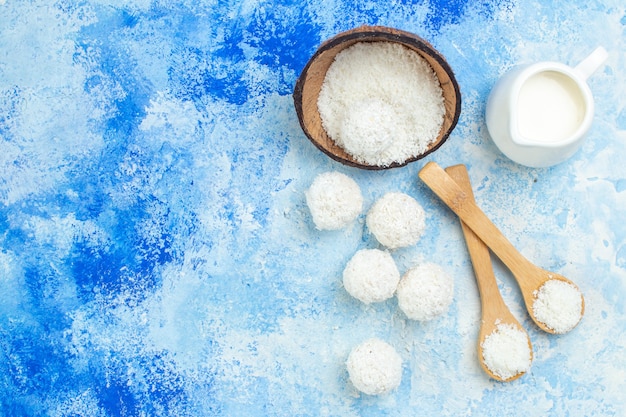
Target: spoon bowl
529	277
309	85
530	282
494	311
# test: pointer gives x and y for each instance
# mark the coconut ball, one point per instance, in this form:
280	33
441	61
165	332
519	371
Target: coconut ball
368	129
371	276
334	200
396	220
425	291
374	367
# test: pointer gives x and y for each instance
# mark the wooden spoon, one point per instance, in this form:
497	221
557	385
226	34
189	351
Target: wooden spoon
493	309
529	277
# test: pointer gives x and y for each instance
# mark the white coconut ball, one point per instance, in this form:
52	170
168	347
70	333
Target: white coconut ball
374	367
396	220
425	291
371	276
368	129
334	200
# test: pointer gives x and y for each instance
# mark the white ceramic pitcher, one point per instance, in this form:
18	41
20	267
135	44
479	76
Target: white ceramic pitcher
538	114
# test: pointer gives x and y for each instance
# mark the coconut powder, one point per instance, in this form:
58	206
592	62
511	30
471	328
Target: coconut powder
381	102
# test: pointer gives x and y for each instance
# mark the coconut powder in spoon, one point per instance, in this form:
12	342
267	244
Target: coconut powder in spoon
558	305
506	351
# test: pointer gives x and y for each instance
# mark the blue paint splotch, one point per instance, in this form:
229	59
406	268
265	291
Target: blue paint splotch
443	12
196	73
139	241
10	100
146	385
275	39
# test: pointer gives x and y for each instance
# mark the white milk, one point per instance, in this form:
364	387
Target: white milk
550	107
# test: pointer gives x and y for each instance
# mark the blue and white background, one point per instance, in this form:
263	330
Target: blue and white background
157	257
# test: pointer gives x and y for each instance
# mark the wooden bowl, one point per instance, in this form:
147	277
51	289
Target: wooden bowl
309	83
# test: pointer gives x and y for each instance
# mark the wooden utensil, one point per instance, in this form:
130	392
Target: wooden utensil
529	277
493	309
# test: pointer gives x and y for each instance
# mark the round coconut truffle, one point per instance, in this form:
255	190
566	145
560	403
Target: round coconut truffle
396	220
374	367
334	200
425	291
368	130
371	276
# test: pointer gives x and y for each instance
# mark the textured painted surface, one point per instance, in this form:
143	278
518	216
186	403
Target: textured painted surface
156	253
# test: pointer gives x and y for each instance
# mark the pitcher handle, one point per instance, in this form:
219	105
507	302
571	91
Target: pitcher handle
592	63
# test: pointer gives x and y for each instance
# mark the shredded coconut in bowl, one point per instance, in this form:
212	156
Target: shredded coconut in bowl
374	367
558	305
425	291
381	102
506	351
371	276
334	200
396	220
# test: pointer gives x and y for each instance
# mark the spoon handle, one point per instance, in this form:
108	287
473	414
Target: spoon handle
459	202
490	299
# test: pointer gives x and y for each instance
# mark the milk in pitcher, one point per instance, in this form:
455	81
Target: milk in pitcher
550	107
